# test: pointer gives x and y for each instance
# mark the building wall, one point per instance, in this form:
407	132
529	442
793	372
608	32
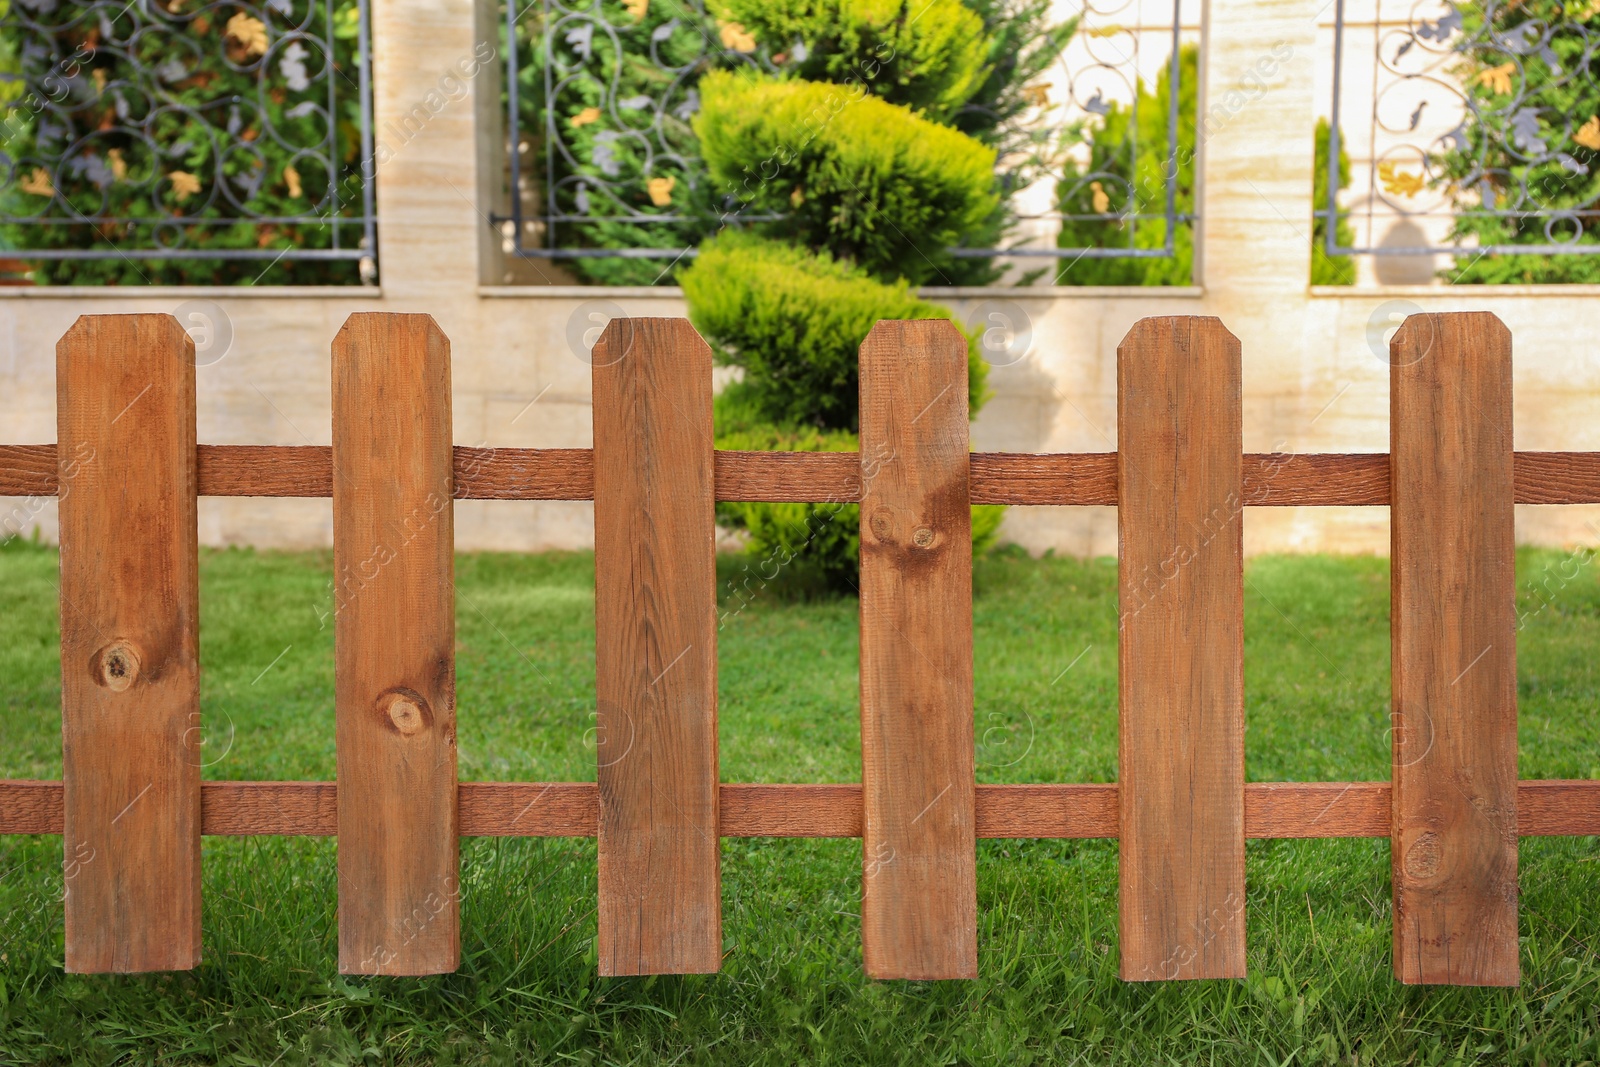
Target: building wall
1314	377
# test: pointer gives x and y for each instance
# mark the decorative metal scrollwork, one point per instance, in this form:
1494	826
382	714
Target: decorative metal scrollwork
600	102
149	130
1483	129
612	105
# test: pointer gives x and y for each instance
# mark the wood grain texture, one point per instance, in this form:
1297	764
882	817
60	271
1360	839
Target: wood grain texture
1020	478
1316	809
524	473
829	477
299	808
266	470
1272	810
1556	477
28	470
1181	650
394	647
130	661
919	890
791	810
1066	479
1453	634
1061	811
656	650
529	809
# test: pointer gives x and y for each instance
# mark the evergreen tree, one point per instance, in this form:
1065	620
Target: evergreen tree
876	141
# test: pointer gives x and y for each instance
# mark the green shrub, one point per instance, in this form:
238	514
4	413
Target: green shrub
877	167
1118	180
212	126
1326	269
869	181
1023	42
930	55
1527	145
1127	174
611	143
814	548
794	320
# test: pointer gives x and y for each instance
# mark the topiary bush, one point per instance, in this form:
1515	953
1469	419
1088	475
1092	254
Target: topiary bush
814	548
933	62
863	141
793	321
870	181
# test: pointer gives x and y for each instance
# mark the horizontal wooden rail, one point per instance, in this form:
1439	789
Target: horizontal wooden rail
1545	808
1070	478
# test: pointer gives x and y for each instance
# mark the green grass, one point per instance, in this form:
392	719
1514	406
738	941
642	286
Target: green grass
792	990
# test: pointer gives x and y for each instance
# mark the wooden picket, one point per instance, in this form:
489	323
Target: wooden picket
131	806
1181	650
130	644
919	886
1453	631
655	655
394	641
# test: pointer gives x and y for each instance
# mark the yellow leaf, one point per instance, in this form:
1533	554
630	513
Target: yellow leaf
184	184
119	166
38	183
797	197
584	117
1498	79
1102	202
660	190
636	8
292	176
1399	182
1037	95
1589	134
250	33
736	37
1586	12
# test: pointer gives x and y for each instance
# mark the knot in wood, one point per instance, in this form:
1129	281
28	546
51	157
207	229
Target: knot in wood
116	666
1422	858
923	538
405	711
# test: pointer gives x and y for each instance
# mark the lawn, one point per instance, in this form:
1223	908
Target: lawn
792	989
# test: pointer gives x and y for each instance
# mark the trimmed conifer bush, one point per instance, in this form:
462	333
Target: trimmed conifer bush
870	181
874	187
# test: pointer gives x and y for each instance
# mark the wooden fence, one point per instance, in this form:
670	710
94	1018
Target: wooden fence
127	470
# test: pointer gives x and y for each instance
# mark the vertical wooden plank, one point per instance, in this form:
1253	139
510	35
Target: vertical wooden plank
1181	651
394	641
1453	635
655	650
130	664
919	903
